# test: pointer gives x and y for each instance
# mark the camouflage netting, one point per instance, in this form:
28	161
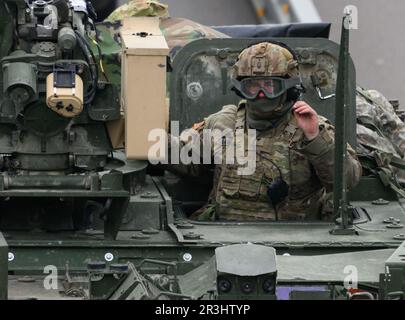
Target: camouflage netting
180	31
139	8
177	31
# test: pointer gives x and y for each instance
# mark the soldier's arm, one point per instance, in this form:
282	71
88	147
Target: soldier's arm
389	122
375	110
178	167
321	153
224	119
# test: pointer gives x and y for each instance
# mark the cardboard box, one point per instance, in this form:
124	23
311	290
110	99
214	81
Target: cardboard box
143	93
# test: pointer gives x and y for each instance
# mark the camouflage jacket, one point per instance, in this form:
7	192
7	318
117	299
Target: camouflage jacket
379	128
306	167
381	137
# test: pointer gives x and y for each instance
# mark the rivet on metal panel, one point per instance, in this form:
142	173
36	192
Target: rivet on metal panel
192	236
395	225
150	231
391	220
140	236
400	237
185	225
380	202
149	195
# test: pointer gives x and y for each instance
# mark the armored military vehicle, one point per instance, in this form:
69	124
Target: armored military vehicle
82	216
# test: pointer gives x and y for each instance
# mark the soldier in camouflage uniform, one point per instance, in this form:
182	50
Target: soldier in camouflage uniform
379	128
381	139
295	146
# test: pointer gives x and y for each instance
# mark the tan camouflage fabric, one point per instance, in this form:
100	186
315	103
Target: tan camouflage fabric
379	128
381	135
265	59
179	32
306	167
139	8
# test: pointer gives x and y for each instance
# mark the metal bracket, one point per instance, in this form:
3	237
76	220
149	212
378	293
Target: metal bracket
339	231
315	83
321	96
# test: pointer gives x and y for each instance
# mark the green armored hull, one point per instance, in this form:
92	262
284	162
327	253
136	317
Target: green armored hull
80	221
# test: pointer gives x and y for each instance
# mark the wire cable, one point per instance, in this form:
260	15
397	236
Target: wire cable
90	58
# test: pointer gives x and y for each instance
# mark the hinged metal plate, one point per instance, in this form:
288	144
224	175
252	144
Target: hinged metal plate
200	82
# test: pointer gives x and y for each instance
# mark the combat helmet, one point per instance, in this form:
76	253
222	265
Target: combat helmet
269	61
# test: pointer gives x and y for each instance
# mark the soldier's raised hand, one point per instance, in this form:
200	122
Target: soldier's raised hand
307	119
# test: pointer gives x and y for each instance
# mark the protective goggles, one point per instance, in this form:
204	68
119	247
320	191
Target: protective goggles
272	87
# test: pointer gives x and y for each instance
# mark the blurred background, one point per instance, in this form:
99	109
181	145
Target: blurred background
377	47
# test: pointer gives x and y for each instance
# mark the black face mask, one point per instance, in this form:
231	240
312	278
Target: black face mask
264	113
